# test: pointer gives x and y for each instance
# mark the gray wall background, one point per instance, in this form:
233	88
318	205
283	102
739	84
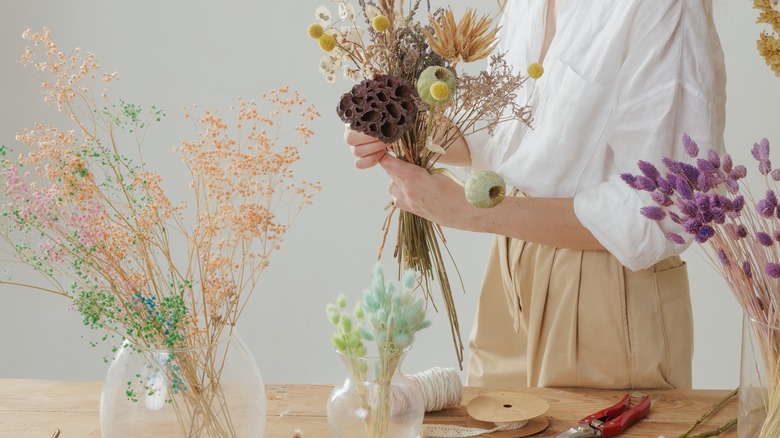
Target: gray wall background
175	53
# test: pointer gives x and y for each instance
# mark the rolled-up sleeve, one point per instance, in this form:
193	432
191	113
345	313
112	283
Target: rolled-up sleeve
671	82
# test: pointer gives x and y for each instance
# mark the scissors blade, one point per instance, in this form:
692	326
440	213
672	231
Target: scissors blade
581	431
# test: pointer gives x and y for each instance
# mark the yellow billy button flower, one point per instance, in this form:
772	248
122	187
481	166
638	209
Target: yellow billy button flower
535	70
380	23
440	91
315	31
327	42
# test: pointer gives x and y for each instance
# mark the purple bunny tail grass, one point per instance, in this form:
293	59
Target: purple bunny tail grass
764	238
746	269
724	259
673	166
765	167
741	231
714	158
676	218
760	150
728	164
653	213
704	234
645	183
648	170
629	179
739	203
738	172
777	235
661	199
772	269
775	174
691	148
676	238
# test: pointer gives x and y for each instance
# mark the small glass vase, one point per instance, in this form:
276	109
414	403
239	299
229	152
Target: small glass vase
376	400
759	383
207	392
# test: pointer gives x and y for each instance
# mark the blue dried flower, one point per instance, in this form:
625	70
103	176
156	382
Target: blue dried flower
653	213
773	270
690	146
764	238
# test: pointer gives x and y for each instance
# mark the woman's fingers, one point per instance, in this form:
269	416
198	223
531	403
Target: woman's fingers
355	138
370	160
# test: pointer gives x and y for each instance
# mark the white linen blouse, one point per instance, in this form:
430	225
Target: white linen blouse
623	80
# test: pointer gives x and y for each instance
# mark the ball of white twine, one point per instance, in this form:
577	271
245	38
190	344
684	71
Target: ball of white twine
441	388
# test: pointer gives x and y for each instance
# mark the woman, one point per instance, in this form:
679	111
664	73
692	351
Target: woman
580	289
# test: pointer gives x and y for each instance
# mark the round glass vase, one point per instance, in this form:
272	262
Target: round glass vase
759	383
376	400
207	391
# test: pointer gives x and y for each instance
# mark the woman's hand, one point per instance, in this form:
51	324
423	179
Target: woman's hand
433	197
367	149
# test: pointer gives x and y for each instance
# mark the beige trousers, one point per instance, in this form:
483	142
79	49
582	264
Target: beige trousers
556	317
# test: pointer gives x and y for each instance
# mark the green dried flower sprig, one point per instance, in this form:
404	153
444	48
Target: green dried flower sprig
389	314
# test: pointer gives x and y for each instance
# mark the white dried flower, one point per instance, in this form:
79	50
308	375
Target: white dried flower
324	16
346	11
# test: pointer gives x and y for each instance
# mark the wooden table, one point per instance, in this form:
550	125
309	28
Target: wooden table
36	408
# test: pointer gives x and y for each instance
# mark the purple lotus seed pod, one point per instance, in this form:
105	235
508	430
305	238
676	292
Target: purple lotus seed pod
384	107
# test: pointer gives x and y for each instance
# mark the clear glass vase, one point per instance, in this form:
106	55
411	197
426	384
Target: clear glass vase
376	400
207	392
759	383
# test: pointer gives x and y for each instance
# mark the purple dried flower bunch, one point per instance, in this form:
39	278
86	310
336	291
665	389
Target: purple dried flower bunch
705	201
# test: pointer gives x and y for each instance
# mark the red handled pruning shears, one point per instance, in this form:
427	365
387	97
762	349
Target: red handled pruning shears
612	420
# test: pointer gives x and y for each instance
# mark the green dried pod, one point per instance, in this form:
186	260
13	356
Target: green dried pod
432	75
485	189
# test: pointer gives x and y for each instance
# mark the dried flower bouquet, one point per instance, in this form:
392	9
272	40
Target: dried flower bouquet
98	227
413	96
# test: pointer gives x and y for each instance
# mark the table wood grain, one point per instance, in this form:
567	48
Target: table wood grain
36	408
